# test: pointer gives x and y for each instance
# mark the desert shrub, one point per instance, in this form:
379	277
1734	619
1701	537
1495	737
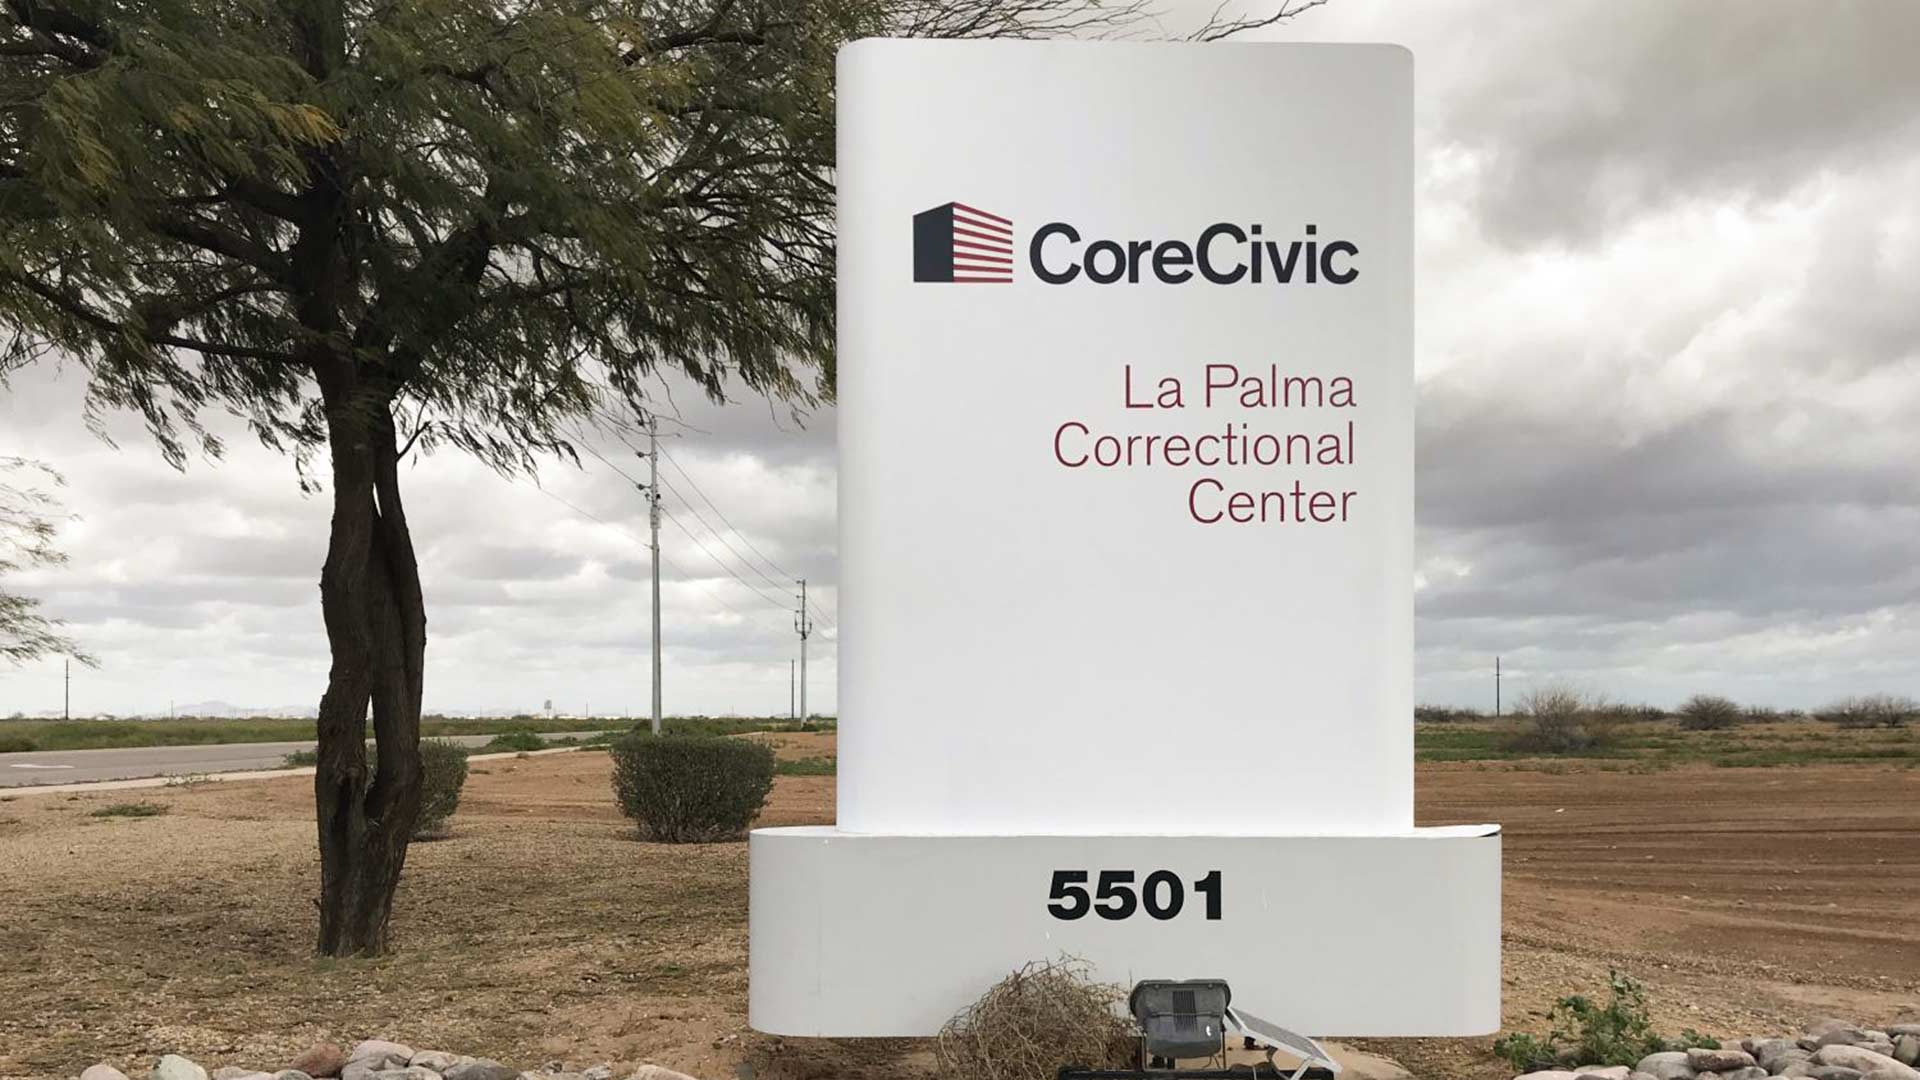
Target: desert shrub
1583	1032
443	772
512	741
811	766
1559	719
1444	714
301	757
684	789
1870	711
1708	712
17	744
1036	1021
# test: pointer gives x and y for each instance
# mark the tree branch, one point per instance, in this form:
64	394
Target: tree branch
1219	27
220	241
79	310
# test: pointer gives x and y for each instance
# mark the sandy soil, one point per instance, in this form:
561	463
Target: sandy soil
1746	899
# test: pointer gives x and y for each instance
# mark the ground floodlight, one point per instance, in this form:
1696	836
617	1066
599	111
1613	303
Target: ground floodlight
1184	1018
1192	1018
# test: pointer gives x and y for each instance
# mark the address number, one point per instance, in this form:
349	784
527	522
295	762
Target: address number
1115	896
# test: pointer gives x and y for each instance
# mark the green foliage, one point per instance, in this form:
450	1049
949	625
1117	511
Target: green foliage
1645	747
1709	712
17	744
487	221
1583	1032
811	766
443	773
509	741
131	809
1691	1038
717	725
1525	1051
301	758
691	788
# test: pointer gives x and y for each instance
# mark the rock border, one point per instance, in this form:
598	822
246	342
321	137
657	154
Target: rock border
1827	1050
381	1059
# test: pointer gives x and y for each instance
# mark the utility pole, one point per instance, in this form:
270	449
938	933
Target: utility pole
791	713
803	625
1496	688
653	520
66	701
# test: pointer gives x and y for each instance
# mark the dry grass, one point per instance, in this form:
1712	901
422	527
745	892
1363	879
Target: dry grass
1034	1022
538	929
1746	900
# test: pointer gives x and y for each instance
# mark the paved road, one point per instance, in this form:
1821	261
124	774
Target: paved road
80	766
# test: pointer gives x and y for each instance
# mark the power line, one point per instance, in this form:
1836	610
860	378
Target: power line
717	560
781	573
717	534
686	574
736	530
744	538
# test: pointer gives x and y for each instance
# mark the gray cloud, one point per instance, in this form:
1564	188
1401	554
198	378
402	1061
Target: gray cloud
202	584
1669	364
1595	112
1669	354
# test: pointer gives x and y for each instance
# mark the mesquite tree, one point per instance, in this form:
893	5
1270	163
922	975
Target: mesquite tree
364	226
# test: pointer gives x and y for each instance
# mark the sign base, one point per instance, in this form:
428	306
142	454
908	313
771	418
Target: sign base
866	934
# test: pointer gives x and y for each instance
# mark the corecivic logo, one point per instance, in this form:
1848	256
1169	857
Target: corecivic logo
957	242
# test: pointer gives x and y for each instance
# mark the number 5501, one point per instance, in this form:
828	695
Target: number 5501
1161	895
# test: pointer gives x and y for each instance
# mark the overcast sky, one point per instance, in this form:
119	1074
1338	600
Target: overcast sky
1669	428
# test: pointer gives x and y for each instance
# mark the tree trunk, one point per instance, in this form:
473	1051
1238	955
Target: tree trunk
376	631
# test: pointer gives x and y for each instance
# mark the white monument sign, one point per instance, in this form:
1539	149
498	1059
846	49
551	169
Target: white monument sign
1126	520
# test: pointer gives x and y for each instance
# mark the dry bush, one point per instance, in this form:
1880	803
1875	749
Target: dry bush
1871	710
1709	712
1445	714
1036	1021
1560	719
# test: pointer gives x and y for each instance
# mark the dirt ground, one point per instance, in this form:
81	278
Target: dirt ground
1747	900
